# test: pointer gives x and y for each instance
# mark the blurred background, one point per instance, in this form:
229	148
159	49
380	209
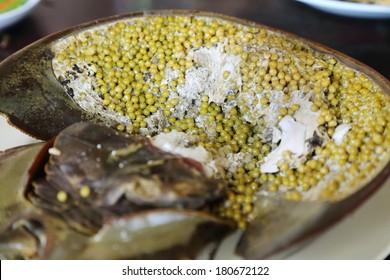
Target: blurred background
367	40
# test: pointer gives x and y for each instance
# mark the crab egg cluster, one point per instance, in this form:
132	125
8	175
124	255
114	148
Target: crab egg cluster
242	93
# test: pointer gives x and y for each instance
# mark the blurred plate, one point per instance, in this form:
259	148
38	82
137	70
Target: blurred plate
343	8
12	137
14	15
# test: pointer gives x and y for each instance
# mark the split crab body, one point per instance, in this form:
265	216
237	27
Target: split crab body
97	193
287	137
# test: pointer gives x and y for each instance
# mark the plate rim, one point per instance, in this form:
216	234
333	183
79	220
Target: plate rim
352	9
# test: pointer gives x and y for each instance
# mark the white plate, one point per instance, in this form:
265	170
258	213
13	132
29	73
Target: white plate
350	9
13	16
12	137
364	234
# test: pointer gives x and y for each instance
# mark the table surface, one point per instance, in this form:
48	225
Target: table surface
365	40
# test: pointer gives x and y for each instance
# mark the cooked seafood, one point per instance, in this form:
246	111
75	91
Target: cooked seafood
286	124
287	118
104	189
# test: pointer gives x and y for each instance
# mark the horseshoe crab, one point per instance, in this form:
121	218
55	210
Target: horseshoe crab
96	190
298	133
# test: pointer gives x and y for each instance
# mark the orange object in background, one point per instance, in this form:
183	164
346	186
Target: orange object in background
7	5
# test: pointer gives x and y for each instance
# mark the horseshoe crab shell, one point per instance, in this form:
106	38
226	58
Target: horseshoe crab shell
27	78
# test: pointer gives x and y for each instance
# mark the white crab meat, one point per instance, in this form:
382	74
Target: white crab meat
292	140
207	77
180	143
340	132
